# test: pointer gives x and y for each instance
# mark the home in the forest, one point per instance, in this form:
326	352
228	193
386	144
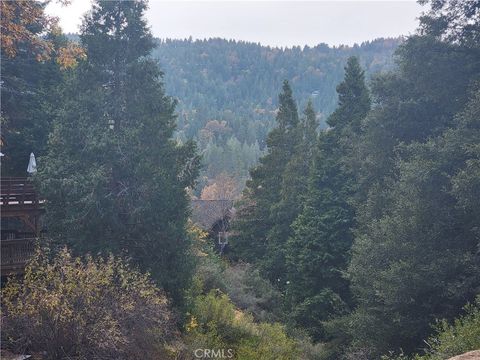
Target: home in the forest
21	211
214	217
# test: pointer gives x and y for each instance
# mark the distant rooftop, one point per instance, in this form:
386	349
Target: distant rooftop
205	213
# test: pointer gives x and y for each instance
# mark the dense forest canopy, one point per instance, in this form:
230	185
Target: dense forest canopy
227	91
218	75
227	94
384	242
356	236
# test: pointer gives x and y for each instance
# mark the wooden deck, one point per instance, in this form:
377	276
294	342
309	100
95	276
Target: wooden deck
18	196
18	199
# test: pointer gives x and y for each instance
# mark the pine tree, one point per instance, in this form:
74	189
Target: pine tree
114	178
419	260
318	250
353	99
293	190
413	256
263	190
295	178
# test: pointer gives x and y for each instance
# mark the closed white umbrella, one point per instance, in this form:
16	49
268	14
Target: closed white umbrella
32	164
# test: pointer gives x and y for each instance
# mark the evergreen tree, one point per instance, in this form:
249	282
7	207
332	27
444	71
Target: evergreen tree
293	191
28	90
114	178
295	179
262	193
453	21
413	104
412	260
318	251
418	262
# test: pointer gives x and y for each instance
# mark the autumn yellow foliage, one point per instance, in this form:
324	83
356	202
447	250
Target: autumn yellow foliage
216	324
222	187
86	309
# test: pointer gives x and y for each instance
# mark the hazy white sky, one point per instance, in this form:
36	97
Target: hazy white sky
276	23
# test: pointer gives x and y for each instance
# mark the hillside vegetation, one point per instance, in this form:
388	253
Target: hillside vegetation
356	241
227	92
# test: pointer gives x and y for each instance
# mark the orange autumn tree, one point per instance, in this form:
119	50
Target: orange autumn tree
25	22
223	186
34	54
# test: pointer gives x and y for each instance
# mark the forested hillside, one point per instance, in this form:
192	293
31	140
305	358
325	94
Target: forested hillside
218	76
227	93
372	236
358	241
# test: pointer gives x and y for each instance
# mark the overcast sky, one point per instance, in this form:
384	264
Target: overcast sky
275	23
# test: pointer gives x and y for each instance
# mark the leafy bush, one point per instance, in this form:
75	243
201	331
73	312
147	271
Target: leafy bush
85	309
215	313
312	351
215	323
209	273
241	281
252	293
461	336
457	338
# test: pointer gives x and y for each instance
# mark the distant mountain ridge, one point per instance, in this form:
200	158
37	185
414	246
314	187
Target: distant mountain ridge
215	76
227	91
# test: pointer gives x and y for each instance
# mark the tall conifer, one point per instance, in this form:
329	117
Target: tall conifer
293	191
318	250
114	177
263	191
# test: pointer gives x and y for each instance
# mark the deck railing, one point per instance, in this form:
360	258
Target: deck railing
18	199
17	192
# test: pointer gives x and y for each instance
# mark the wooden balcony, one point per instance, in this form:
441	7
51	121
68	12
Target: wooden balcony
18	199
17	196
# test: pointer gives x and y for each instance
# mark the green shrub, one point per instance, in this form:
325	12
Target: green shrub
457	338
85	309
451	339
209	272
252	293
216	314
215	323
267	342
